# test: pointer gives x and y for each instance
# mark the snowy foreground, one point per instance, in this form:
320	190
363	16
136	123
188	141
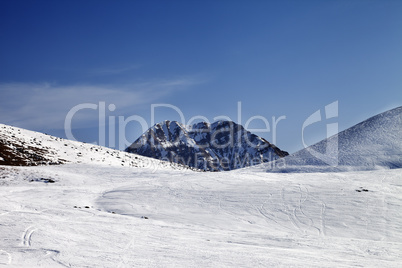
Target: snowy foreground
83	215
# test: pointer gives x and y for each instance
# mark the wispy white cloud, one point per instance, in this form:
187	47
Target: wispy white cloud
45	105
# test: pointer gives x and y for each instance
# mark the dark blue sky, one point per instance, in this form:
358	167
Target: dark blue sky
278	58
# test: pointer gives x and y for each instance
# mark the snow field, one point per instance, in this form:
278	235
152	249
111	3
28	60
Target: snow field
105	216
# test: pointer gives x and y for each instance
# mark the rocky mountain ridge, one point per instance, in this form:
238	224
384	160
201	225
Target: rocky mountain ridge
223	145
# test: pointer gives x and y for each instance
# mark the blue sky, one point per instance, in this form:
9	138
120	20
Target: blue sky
278	58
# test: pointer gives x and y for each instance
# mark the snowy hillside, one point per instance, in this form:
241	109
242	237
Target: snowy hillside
20	147
110	216
223	145
375	143
96	210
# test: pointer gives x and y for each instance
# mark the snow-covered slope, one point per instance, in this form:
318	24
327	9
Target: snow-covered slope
20	147
110	216
223	145
94	215
375	143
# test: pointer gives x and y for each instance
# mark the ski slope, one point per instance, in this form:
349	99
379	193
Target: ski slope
92	215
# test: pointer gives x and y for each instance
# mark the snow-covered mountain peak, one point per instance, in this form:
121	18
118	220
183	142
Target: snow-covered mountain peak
375	143
222	145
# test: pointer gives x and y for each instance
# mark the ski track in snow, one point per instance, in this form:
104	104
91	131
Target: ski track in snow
27	236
